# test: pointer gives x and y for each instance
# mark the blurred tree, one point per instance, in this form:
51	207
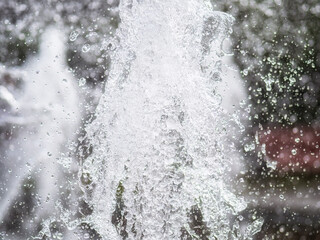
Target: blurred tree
277	47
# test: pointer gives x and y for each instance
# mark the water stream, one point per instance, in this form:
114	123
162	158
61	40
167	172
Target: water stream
160	157
42	117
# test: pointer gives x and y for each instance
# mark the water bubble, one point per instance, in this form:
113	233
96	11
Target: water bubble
86	48
73	35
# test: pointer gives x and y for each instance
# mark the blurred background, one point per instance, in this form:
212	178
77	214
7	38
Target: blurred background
54	61
276	46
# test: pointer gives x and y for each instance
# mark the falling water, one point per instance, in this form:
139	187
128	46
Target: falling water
159	159
43	118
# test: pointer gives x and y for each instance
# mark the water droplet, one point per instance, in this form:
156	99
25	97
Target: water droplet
245	72
263	149
86	47
49	154
297	140
73	35
10	170
282	229
268	84
249	147
271	164
292	80
294	151
82	82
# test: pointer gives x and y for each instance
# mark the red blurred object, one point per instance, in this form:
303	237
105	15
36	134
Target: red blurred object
294	149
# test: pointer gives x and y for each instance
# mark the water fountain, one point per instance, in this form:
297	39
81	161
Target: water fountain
160	145
159	159
43	117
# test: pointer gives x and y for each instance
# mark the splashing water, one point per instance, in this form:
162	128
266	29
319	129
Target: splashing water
45	118
158	139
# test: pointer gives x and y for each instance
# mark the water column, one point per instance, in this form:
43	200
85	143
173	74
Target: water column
159	158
